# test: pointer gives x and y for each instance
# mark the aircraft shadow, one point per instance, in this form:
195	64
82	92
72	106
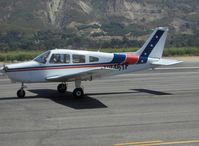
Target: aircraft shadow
111	93
151	92
134	91
65	99
86	102
68	100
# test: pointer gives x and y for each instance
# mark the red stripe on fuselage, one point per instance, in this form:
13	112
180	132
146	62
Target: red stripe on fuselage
131	59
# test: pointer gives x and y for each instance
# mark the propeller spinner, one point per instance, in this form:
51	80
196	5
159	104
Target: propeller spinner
3	69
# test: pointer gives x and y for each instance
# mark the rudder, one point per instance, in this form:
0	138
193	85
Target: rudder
154	46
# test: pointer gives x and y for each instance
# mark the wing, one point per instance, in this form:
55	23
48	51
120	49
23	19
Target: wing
81	75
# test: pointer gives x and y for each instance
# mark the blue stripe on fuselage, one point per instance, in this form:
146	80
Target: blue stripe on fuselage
145	54
118	58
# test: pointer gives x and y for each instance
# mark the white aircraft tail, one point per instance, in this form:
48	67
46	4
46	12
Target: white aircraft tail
154	46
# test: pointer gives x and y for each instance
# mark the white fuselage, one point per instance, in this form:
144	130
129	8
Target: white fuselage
34	71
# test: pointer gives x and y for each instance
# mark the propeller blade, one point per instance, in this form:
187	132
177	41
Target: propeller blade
3	69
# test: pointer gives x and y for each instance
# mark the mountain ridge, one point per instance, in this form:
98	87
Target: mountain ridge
100	19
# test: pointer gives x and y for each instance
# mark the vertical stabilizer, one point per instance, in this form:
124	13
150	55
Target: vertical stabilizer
154	46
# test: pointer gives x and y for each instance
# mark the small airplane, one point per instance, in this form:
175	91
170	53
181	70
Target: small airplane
63	65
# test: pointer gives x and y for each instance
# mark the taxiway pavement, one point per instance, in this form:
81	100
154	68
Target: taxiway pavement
160	105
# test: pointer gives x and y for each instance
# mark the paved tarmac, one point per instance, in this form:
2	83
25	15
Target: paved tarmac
159	107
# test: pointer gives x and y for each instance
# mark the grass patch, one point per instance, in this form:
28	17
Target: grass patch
112	50
21	55
181	51
18	55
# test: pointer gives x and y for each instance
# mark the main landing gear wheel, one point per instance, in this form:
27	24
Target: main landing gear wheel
61	88
78	93
21	93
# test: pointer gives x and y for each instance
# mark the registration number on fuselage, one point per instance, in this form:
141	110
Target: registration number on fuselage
117	66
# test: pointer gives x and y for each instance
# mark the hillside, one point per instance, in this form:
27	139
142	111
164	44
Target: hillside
95	23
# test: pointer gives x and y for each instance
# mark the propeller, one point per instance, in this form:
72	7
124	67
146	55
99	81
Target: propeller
3	69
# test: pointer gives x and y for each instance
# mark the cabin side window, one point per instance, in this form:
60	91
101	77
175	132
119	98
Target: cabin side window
79	58
93	59
60	59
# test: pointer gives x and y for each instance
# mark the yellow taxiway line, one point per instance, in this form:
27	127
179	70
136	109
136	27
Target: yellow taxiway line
137	143
156	143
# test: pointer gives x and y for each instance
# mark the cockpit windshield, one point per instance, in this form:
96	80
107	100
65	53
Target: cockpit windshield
43	57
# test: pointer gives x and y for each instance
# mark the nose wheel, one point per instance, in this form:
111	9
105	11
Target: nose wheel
61	88
21	93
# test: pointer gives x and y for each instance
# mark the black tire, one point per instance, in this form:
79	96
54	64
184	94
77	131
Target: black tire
61	88
21	93
78	93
